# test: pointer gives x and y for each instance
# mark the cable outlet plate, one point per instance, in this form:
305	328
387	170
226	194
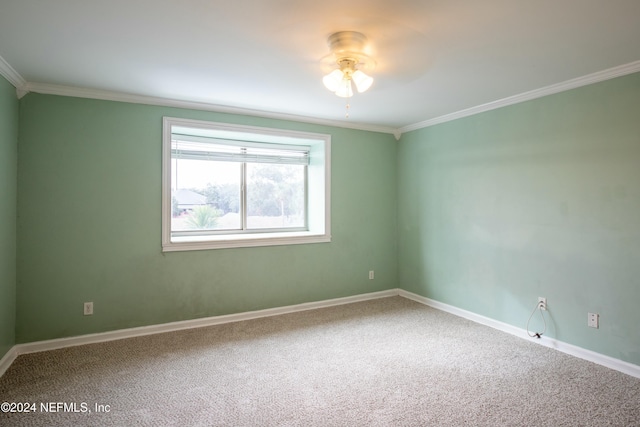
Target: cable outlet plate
542	303
593	320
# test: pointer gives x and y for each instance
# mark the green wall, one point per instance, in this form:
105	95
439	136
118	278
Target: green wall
89	185
8	200
540	198
536	199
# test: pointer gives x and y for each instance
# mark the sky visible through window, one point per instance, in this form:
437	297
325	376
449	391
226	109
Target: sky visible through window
197	173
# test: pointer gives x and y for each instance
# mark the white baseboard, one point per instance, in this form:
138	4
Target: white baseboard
591	356
7	360
18	349
190	324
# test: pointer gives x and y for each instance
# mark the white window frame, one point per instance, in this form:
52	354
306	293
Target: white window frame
318	188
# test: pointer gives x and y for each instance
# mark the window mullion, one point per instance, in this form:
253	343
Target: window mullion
243	196
306	197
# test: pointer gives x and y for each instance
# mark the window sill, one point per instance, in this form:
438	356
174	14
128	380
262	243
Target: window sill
195	243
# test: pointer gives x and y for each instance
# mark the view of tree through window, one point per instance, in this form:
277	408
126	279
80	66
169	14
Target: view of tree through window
207	195
275	195
232	186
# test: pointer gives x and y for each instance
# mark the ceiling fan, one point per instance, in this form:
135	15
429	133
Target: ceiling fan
347	50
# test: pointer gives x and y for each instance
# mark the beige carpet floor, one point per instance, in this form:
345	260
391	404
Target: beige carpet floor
386	362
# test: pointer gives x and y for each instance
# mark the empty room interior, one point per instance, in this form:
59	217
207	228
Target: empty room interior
320	213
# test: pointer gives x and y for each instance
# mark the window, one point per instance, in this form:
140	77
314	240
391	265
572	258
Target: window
233	186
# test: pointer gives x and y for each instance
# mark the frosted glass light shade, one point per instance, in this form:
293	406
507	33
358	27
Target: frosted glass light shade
344	89
362	81
332	80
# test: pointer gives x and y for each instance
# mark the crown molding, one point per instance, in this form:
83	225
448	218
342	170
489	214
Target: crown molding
77	92
13	77
600	76
23	87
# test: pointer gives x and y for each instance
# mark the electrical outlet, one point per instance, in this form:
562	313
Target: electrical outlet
371	275
542	303
593	320
88	308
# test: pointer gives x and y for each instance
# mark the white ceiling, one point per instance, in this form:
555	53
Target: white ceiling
434	57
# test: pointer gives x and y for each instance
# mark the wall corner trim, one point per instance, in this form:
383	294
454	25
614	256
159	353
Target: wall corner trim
591	356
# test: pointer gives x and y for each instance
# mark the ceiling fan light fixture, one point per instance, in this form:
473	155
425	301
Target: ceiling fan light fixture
347	48
362	81
332	80
344	89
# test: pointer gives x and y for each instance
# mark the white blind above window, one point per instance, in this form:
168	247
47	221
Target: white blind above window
214	149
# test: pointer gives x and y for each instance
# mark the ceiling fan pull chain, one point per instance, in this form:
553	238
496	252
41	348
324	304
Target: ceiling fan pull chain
348	105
